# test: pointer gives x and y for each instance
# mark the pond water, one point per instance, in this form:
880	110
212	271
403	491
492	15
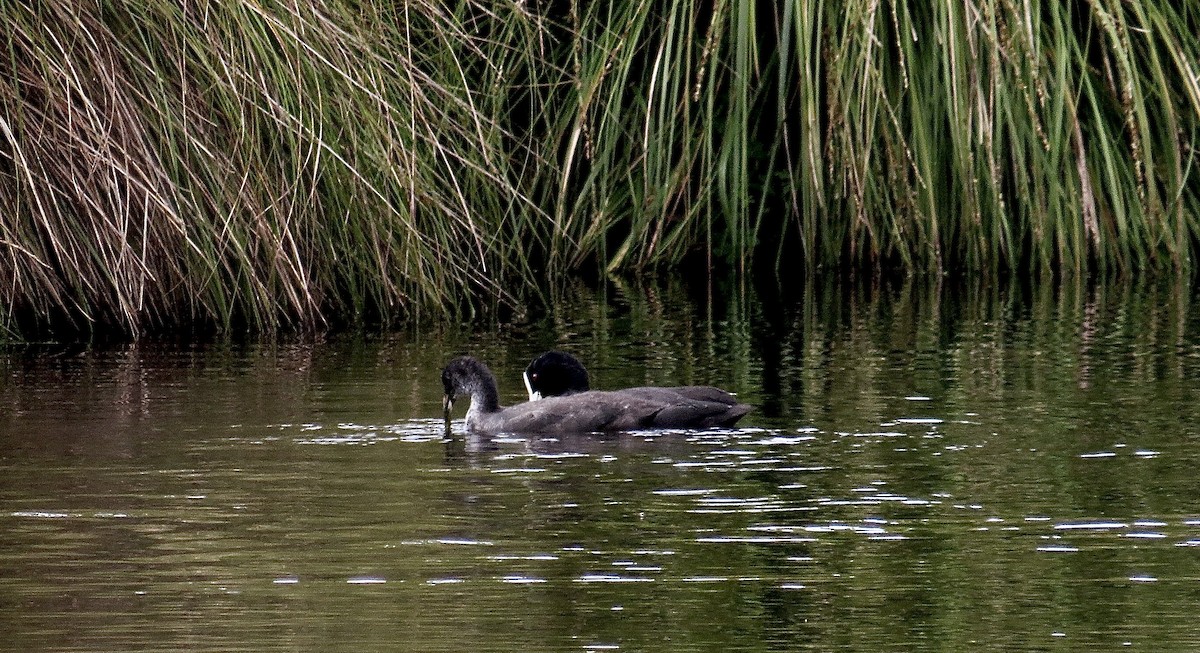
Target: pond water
986	468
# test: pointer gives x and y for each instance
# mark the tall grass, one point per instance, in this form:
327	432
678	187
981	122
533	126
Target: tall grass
286	164
1018	136
258	165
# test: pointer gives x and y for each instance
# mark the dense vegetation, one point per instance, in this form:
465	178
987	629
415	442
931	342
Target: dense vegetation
268	164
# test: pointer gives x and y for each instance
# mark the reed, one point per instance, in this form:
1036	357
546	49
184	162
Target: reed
277	165
982	136
258	166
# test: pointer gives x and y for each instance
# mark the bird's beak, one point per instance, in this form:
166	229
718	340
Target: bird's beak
534	395
447	406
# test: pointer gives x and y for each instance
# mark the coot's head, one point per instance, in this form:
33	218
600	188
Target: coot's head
554	374
466	375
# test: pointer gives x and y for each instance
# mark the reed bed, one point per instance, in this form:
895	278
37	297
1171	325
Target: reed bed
257	166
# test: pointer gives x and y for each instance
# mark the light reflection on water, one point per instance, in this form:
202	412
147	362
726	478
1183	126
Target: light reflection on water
995	478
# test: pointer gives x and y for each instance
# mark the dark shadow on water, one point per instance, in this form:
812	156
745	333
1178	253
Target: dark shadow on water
479	450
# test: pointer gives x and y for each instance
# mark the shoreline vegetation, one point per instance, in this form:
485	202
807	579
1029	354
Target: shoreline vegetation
291	166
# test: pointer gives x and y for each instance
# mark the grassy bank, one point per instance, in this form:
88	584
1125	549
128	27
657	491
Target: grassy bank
266	165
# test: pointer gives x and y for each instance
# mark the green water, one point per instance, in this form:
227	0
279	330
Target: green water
926	468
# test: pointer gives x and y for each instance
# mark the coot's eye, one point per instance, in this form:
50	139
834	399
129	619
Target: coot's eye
533	376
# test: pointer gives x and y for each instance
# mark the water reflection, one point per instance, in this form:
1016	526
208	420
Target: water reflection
993	468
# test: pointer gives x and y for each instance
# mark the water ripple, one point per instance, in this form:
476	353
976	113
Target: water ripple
1090	526
611	578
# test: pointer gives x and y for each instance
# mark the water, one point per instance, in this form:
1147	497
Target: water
981	469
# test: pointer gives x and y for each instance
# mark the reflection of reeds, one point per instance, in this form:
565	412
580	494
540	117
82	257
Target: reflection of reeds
261	165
